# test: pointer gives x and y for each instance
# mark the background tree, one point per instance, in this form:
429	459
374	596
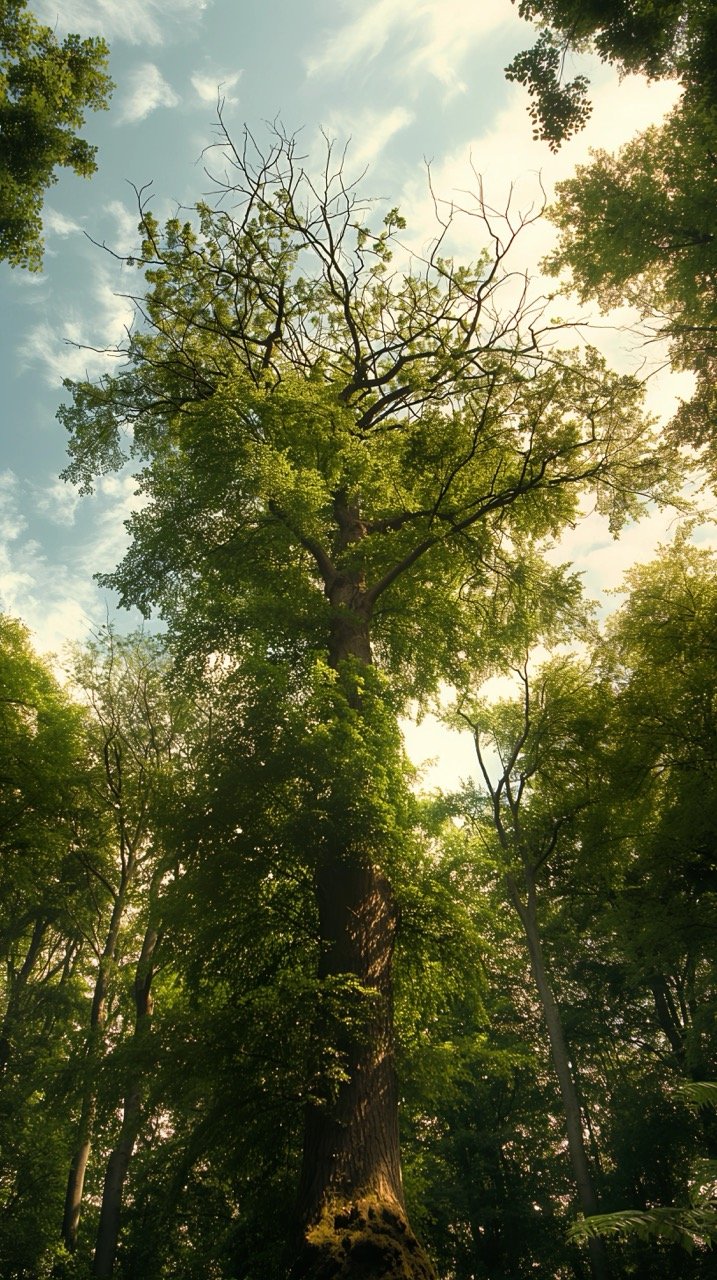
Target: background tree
529	751
338	458
661	643
45	88
52	839
613	776
659	38
639	228
134	729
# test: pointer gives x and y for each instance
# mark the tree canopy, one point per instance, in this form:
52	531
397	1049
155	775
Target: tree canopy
45	88
659	38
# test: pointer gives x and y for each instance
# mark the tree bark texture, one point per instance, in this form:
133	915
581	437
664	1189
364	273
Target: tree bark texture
77	1171
561	1061
351	1202
351	1195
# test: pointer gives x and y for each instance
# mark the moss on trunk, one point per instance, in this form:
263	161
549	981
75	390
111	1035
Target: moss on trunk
362	1240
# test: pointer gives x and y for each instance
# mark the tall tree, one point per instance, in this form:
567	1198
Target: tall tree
45	88
338	458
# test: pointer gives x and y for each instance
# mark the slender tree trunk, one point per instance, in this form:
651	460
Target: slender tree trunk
78	1169
351	1201
17	984
95	1046
667	1017
561	1061
119	1160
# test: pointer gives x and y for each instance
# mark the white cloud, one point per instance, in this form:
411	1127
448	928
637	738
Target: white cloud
212	86
368	132
78	347
125	236
513	167
58	223
56	597
58	501
12	522
136	21
426	37
146	90
603	560
115	498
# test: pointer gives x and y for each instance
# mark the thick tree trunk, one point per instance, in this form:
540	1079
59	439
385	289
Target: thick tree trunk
351	1202
355	1143
351	1195
561	1061
119	1160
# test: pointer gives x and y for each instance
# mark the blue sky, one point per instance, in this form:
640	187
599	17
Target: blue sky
409	81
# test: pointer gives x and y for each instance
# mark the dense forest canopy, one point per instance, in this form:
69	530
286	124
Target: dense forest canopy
268	1008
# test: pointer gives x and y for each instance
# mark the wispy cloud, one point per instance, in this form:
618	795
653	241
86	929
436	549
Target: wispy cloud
58	501
426	37
115	499
57	597
136	21
212	85
80	346
58	224
12	521
368	132
125	235
146	89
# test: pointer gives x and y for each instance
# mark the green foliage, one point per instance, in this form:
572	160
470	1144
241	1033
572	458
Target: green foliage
302	422
45	88
51	838
689	1228
659	38
326	441
557	109
639	228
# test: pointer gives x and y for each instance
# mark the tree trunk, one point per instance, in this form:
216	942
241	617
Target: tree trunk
351	1202
561	1061
17	983
119	1160
116	1173
95	1047
78	1169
